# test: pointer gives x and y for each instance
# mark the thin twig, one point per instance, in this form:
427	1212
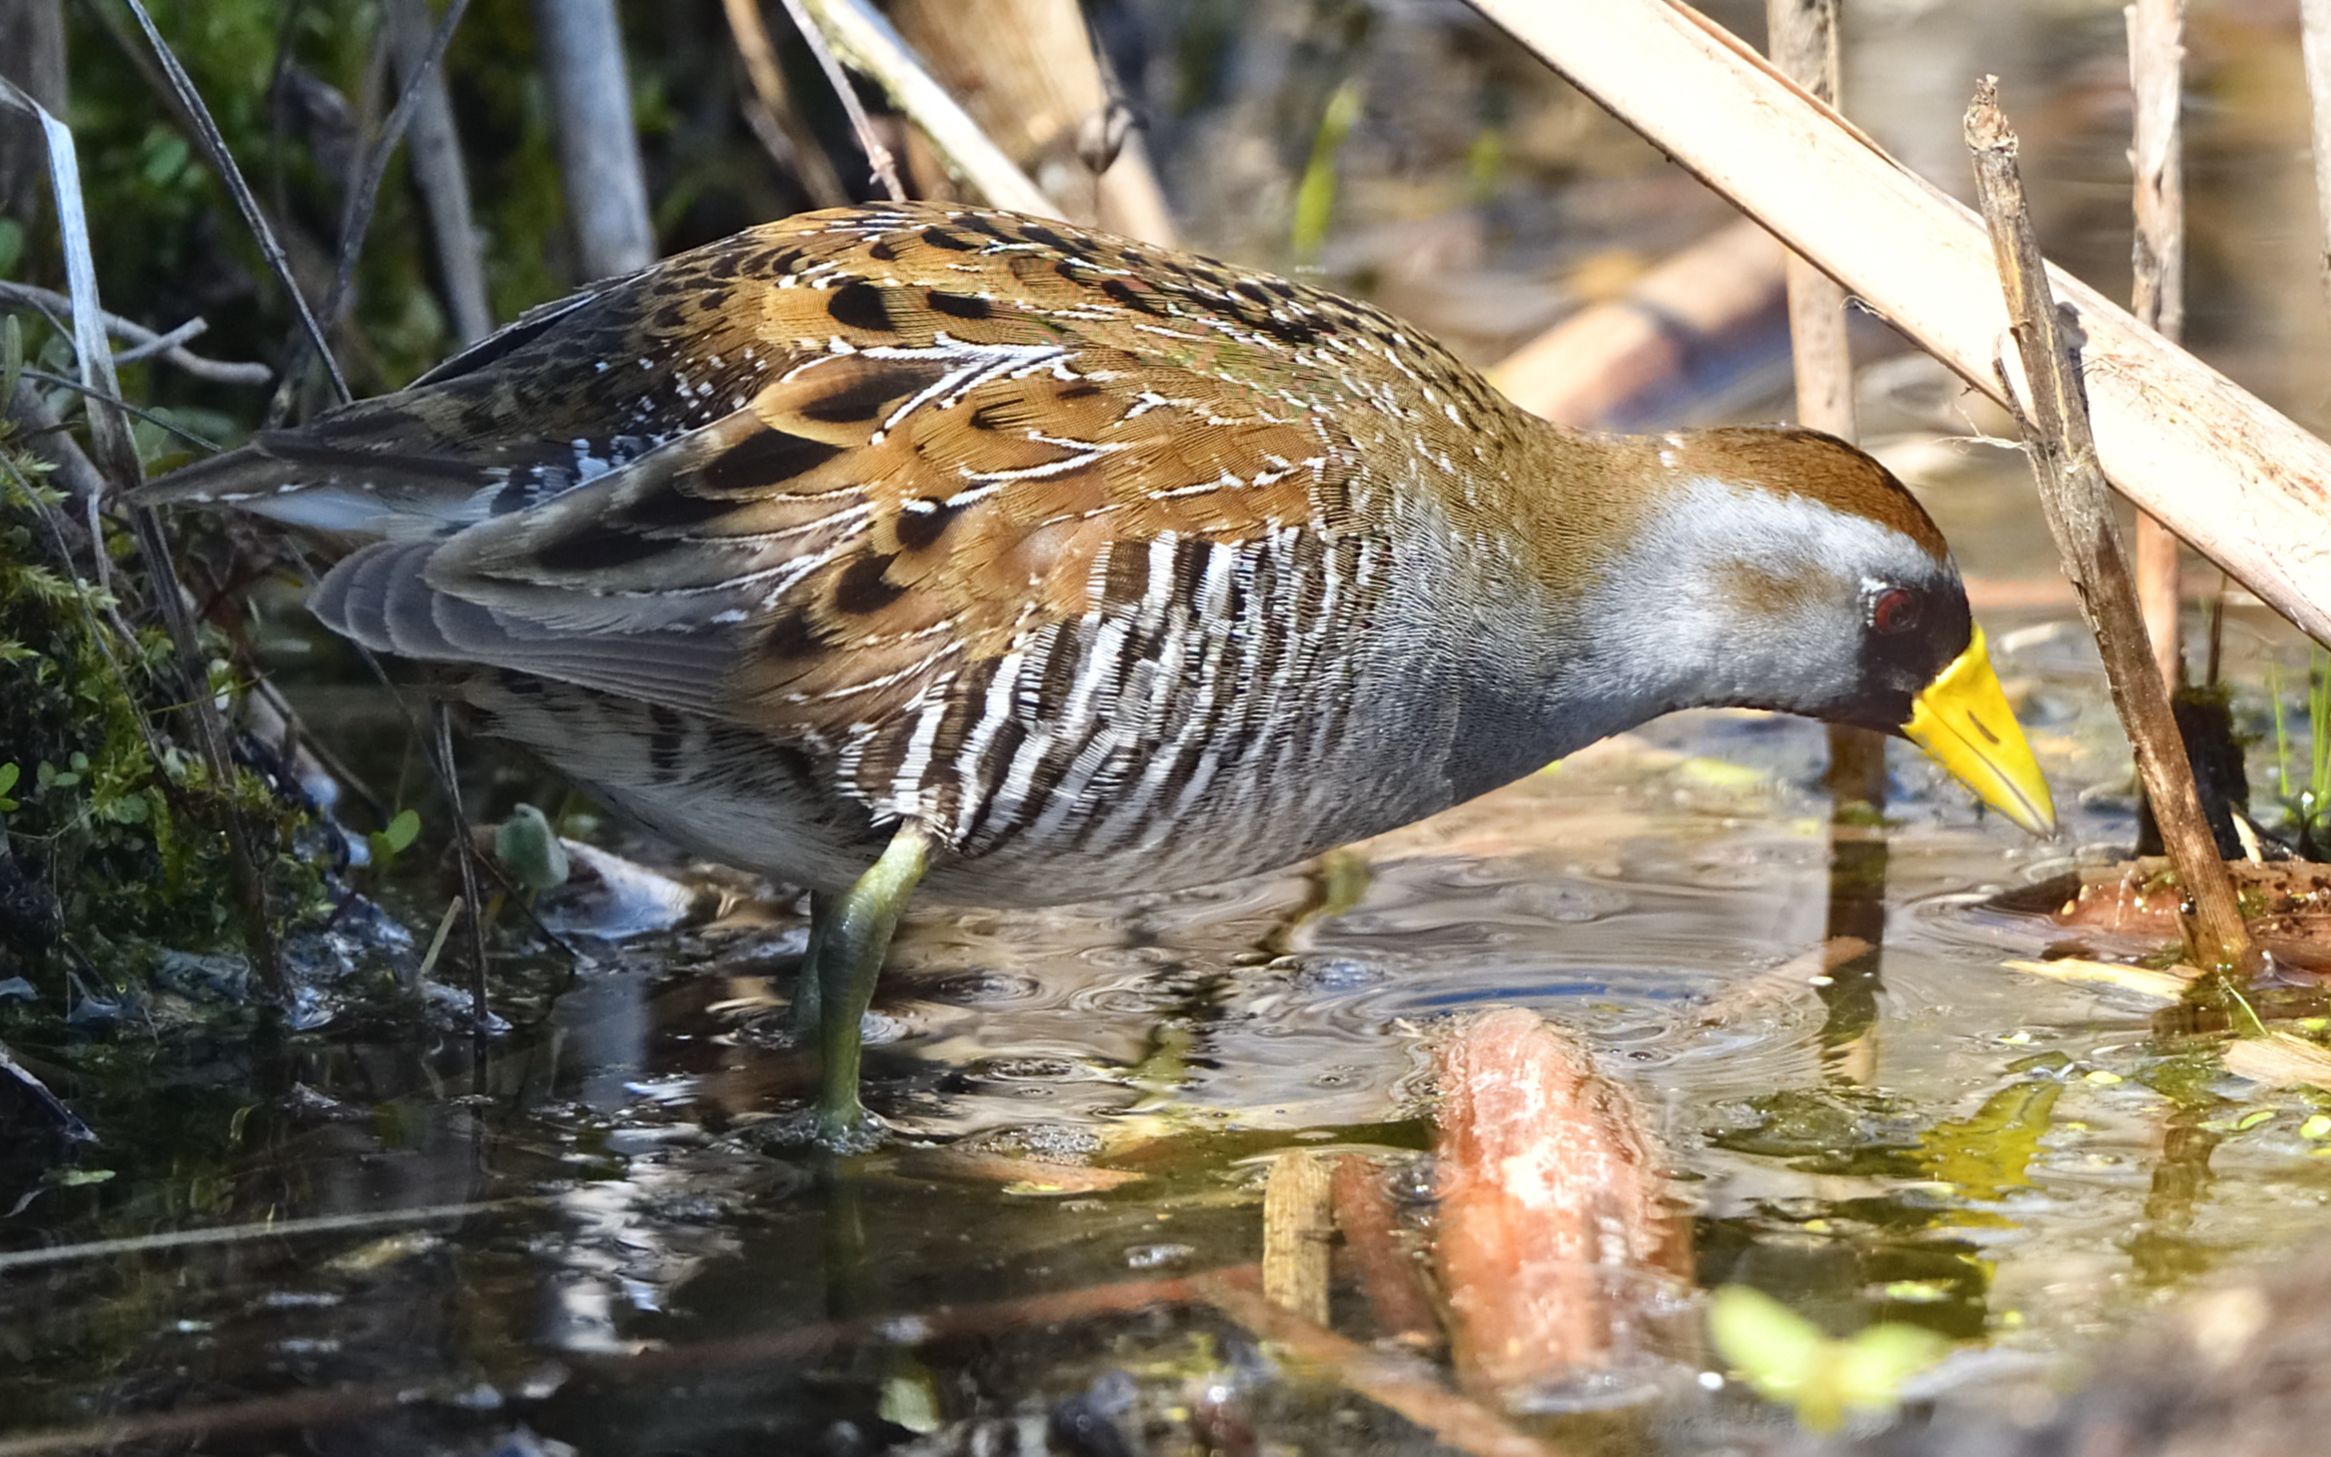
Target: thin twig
144	340
468	858
2058	438
878	158
2156	77
222	162
867	42
772	115
113	400
269	1229
356	217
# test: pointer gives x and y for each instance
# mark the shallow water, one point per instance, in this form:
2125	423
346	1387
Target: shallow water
599	1229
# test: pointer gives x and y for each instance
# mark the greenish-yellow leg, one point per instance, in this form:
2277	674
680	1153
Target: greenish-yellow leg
850	945
803	1019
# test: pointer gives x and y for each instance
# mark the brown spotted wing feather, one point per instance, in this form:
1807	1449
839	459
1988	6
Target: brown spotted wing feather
823	479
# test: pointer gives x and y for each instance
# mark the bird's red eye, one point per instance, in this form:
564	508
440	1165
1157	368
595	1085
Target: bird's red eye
1894	611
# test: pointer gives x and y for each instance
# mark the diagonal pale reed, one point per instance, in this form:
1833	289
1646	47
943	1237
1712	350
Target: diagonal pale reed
912	542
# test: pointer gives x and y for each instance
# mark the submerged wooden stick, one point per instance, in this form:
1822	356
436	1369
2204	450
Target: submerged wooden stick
1298	1229
2238	481
1550	1186
2057	436
1390	1279
1397	1383
2157	260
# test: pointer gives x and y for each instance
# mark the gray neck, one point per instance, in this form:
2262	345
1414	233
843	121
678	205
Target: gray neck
1724	596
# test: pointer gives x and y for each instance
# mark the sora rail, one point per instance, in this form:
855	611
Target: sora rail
910	542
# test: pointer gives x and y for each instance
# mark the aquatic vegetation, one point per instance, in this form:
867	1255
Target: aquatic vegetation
111	829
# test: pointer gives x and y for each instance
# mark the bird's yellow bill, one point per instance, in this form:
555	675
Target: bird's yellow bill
1963	722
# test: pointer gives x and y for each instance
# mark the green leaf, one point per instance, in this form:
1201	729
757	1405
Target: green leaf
166	154
9	774
1773	1348
1784	1358
527	848
1873	1365
398	835
74	1178
11	246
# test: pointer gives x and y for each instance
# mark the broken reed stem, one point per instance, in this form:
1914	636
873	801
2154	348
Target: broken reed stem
784	137
2157	297
868	43
1298	1231
878	156
2058	438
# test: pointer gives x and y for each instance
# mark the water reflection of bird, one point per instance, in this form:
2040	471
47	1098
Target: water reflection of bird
916	543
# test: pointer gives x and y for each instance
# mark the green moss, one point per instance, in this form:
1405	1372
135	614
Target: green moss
114	850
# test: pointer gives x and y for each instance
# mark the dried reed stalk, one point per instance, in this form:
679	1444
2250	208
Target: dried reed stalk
2062	447
878	157
1598	363
2156	79
783	134
1028	72
2315	47
434	153
2238	481
1803	38
868	43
